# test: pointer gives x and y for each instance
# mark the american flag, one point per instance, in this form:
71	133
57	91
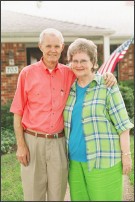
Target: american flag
115	57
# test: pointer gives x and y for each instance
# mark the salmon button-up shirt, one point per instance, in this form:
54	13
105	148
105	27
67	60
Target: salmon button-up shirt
40	96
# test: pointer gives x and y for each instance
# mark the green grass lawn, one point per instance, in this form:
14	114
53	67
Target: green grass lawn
11	187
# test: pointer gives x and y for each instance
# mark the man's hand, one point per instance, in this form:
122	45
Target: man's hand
110	79
23	155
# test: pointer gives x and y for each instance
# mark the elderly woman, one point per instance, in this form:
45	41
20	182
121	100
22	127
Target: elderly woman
97	130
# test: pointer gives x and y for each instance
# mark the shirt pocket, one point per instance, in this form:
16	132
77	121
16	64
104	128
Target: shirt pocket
33	94
63	97
60	99
36	97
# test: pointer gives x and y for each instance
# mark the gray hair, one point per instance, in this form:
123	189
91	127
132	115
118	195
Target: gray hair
50	31
82	45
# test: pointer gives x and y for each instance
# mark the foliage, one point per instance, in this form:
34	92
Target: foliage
8	141
127	91
128	83
6	116
127	94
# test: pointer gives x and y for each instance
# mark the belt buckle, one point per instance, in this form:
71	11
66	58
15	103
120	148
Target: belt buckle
55	135
47	135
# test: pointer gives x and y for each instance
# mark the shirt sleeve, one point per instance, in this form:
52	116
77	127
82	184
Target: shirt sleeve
20	97
117	110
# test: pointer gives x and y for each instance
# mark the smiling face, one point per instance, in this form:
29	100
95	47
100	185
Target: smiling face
81	65
51	48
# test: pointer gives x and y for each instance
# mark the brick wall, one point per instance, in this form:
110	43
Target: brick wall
126	65
8	82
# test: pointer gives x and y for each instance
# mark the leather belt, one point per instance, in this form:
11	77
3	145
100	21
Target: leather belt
37	134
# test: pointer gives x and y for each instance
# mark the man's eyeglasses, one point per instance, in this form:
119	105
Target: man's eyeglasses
82	62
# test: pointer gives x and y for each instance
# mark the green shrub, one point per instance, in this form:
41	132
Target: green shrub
6	116
128	83
127	94
8	141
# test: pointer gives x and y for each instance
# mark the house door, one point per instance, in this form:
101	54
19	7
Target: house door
33	55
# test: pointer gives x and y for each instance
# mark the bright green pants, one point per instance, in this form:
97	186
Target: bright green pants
96	185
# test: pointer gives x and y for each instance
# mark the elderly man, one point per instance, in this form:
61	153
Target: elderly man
38	104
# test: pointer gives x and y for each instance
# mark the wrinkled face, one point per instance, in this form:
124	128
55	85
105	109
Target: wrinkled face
51	48
81	65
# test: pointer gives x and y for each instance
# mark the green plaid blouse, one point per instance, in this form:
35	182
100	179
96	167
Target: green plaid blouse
104	118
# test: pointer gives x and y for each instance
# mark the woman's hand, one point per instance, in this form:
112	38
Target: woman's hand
125	150
127	163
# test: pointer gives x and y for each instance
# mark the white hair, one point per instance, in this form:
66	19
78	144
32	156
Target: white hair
50	31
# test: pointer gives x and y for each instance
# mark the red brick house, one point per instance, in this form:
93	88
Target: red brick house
19	37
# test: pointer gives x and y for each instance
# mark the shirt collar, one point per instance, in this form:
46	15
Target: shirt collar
96	81
44	66
97	78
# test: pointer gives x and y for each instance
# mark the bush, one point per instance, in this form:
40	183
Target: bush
8	141
6	116
129	83
127	94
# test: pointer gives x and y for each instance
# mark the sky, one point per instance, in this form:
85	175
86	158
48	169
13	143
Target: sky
117	15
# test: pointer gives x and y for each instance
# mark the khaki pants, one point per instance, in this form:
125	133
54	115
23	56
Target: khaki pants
47	171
